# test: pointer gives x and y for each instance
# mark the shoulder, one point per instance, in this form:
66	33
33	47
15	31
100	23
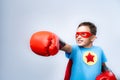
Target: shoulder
75	46
97	47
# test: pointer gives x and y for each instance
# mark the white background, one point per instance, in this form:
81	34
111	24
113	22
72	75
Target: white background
19	19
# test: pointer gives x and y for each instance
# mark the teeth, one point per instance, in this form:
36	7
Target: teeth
79	40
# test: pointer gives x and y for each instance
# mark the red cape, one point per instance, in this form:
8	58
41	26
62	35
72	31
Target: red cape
68	70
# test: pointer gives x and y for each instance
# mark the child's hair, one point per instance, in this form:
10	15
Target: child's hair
93	28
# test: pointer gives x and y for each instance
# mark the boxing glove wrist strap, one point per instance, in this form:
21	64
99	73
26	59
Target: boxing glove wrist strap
62	43
105	68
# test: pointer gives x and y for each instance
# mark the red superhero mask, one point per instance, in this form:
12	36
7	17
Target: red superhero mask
83	34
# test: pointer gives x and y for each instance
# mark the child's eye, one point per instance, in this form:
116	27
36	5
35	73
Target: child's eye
83	34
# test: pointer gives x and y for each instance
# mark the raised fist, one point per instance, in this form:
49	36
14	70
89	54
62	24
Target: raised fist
44	43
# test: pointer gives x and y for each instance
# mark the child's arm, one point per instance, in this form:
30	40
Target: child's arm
65	47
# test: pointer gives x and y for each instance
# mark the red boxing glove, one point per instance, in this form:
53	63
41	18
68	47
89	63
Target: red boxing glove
44	43
107	75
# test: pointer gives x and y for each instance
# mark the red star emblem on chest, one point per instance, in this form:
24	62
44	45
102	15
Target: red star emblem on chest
90	57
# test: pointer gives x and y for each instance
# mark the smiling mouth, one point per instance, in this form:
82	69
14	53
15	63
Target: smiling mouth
80	41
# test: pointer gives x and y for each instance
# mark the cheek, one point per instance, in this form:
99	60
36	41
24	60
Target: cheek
77	38
86	41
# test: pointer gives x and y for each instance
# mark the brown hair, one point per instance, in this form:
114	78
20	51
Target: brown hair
93	28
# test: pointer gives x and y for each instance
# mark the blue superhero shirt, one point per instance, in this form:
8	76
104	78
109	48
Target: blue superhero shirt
87	62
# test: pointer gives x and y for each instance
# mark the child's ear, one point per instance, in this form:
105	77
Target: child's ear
93	37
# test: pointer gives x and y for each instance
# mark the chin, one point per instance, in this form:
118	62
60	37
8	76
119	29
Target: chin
80	44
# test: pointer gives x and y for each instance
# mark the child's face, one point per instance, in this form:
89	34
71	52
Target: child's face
84	37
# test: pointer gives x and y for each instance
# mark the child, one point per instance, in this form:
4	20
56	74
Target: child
88	60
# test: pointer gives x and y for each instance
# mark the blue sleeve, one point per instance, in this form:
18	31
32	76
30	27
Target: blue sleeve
104	59
70	55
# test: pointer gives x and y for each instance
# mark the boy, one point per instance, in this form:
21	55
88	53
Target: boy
88	60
